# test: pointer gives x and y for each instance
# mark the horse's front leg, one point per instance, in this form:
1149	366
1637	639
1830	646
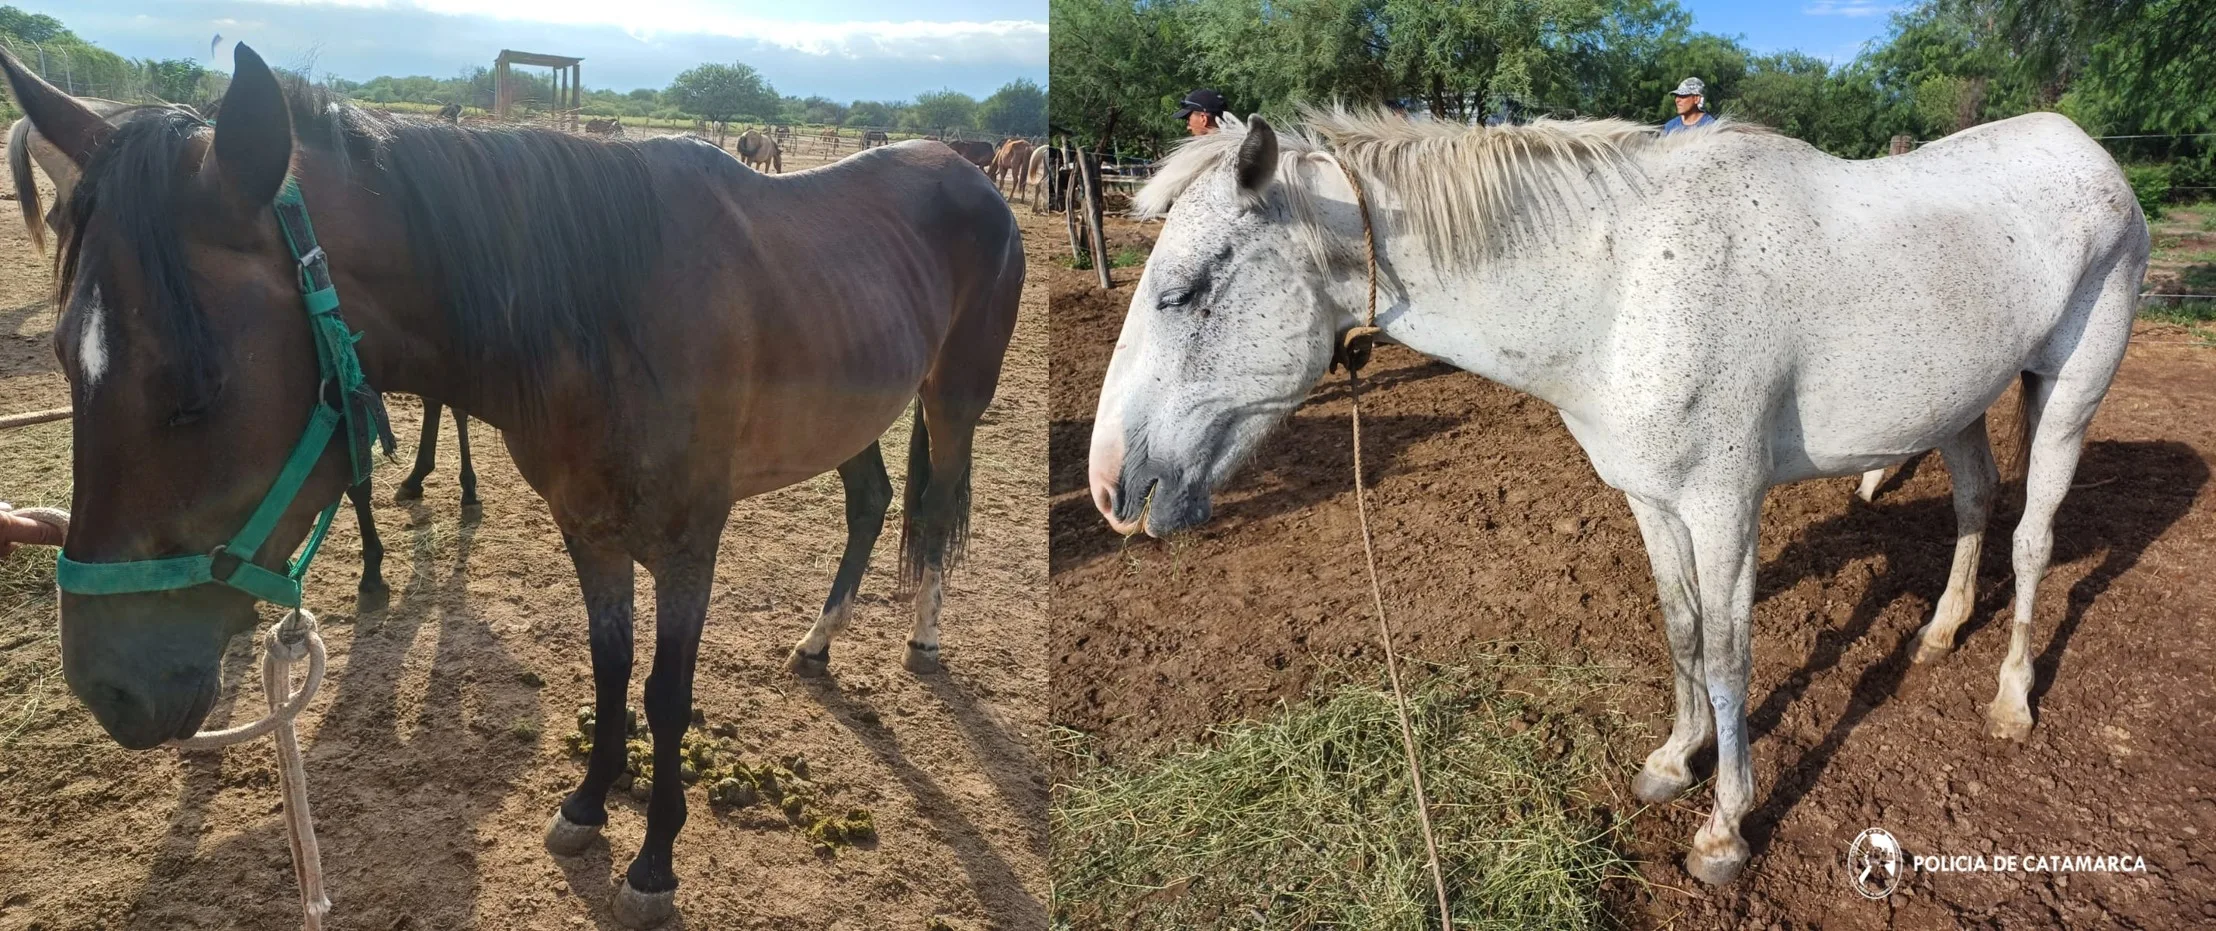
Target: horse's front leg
373	594
1723	525
1668	769
471	509
681	584
605	575
426	455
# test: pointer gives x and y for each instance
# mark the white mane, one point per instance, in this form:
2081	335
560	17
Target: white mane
1465	189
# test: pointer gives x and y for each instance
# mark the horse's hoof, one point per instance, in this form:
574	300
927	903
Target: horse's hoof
1929	652
1716	864
371	598
2007	723
921	660
1654	790
808	667
635	909
472	512
407	492
565	838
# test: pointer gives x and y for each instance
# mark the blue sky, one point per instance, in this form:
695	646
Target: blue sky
1833	30
843	49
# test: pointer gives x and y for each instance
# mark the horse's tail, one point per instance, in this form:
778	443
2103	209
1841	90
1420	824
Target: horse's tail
929	539
2016	460
26	187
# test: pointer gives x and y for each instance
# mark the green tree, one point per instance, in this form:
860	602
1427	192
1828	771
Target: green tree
723	92
173	79
940	111
873	113
1018	108
33	27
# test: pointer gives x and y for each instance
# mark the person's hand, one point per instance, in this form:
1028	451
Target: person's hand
16	530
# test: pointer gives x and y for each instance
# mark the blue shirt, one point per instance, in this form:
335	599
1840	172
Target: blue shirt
1678	122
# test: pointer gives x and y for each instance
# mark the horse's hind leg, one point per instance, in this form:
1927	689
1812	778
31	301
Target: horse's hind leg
472	510
1668	770
935	516
1870	480
2056	411
426	455
1969	456
373	594
869	491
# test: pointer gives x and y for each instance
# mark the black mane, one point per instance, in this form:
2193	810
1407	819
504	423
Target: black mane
537	242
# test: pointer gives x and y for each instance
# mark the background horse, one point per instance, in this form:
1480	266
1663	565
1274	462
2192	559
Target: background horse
604	127
760	152
976	153
1696	337
26	144
1009	164
451	113
875	137
673	334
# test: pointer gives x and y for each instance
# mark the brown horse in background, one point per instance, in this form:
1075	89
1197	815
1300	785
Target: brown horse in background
672	334
875	137
1012	164
976	153
760	152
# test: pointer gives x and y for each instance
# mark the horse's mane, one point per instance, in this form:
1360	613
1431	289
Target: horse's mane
536	241
1467	190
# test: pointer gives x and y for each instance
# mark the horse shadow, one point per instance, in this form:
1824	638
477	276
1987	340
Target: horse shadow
995	882
396	806
2129	495
39	359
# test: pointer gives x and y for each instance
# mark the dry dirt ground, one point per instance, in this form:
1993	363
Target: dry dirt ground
1491	525
434	761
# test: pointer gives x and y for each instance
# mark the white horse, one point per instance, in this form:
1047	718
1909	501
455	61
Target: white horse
1713	313
25	146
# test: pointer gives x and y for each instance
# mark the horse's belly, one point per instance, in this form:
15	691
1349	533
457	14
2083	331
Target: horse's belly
799	436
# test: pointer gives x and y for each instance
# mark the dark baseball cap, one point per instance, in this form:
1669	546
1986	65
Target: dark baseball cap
1199	101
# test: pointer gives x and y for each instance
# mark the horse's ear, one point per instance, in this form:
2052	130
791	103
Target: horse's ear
253	136
69	125
1257	156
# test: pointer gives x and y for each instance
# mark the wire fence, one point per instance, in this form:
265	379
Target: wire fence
82	71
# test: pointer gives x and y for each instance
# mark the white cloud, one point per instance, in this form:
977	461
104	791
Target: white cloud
649	20
1848	8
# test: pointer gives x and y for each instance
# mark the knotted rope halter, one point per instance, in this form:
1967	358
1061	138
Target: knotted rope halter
1354	352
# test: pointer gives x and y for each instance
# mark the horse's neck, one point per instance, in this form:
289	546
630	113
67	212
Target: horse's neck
1529	316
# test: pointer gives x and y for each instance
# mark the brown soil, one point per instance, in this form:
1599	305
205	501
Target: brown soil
434	761
1491	525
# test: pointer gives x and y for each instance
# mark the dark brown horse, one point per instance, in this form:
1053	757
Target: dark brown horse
373	595
875	137
672	334
975	152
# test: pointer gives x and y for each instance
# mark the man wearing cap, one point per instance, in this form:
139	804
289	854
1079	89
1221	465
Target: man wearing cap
1202	111
1690	109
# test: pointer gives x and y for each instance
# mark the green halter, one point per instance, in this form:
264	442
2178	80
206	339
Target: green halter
339	381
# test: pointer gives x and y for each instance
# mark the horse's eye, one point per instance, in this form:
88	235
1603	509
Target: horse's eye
187	416
1178	298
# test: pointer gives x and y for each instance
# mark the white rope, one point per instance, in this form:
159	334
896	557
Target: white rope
290	640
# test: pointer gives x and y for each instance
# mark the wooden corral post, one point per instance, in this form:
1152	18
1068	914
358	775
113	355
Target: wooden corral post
1902	144
1088	164
1068	186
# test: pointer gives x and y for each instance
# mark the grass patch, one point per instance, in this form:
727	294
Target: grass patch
1126	257
1306	819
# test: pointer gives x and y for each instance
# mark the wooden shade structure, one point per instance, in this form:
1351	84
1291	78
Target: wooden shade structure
568	90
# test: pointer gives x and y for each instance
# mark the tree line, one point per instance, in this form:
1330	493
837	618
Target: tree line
2118	67
734	91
